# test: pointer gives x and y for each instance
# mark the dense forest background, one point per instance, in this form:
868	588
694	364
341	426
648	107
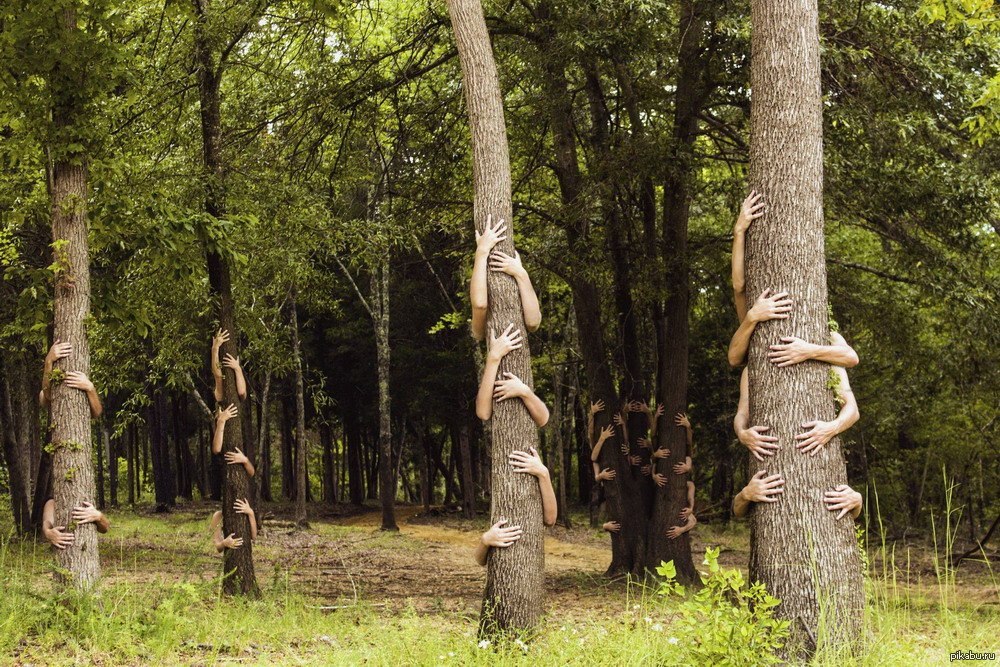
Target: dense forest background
345	145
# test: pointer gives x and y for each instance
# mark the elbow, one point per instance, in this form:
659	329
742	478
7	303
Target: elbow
549	521
733	358
542	419
484	412
852	359
242	394
532	322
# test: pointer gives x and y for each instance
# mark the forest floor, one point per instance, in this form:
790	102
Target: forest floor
344	592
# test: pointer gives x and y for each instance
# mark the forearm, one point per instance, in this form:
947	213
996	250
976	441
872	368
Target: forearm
537	409
217	437
597	471
856	512
529	302
241	384
550	510
595	453
102	524
96	409
740	505
690	436
46	378
219	392
741	342
738	273
252	518
251	471
484	399
740	422
482	549
838	355
848	415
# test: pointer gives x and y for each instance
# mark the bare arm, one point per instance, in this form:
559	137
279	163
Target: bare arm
550	510
478	293
751	209
482	549
754	438
500	535
792	350
531	464
511	265
741	506
237	457
499	347
221	417
220	337
820	432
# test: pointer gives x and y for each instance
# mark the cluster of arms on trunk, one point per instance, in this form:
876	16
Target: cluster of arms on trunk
59	536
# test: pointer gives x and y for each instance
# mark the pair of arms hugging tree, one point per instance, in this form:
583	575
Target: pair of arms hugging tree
501	535
230	541
791	350
223	415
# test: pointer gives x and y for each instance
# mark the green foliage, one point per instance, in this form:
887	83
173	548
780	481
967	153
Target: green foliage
728	621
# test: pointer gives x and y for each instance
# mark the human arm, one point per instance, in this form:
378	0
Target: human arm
612	526
676	531
513	387
87	513
821	432
530	463
220	337
478	295
57	351
79	380
683	468
221	417
53	533
237	457
499	535
751	209
845	499
681	419
768	306
242	506
689	508
603	475
499	346
792	350
606	433
754	438
504	263
222	543
241	384
761	488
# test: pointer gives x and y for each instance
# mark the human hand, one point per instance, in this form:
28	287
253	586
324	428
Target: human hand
504	263
528	462
813	440
78	380
791	350
619	419
221	336
596	407
646	469
661	480
606	474
492	235
681	419
222	415
232	542
660	410
751	209
236	457
638	406
634	459
243	507
501	345
57	537
661	453
770	306
59	350
842	498
763	488
85	513
685	512
675	531
606	433
501	535
644	443
759	444
612	526
511	387
682	468
229	361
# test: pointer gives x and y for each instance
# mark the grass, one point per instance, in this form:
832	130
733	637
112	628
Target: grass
412	599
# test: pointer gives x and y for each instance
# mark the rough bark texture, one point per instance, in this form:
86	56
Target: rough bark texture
301	516
673	360
237	563
465	461
380	316
515	575
72	468
16	453
807	558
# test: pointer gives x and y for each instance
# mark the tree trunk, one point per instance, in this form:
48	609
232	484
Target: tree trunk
352	434
265	440
514	577
112	447
130	463
557	430
465	461
159	450
329	470
387	480
806	558
301	518
237	563
670	500
72	466
18	464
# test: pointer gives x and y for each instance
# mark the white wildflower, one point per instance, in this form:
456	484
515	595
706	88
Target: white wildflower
484	643
656	627
673	640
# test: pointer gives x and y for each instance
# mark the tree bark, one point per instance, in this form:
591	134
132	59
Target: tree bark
380	315
72	466
806	558
465	461
301	517
514	577
265	439
237	563
15	455
352	435
159	450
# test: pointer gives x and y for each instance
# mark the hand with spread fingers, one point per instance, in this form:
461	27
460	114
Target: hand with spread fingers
843	499
500	536
762	488
612	526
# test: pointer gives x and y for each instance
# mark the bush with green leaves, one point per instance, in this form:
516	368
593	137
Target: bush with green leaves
727	621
